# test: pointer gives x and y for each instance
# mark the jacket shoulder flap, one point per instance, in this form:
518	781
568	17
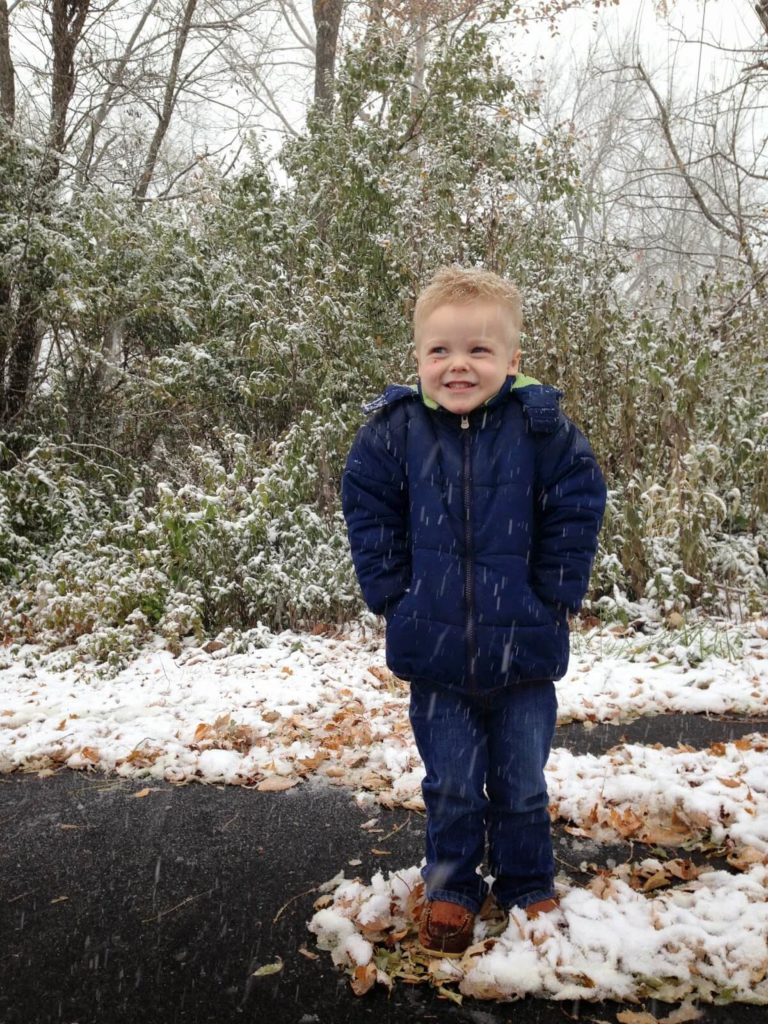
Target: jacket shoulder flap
391	394
541	407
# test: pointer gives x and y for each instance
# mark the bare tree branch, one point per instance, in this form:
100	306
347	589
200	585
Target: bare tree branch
115	83
169	100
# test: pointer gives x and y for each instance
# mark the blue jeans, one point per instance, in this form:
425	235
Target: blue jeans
484	756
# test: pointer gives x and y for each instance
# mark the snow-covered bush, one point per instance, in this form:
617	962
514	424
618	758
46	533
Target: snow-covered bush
178	466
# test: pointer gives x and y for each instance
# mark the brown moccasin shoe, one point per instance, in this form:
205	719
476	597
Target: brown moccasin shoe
446	928
542	907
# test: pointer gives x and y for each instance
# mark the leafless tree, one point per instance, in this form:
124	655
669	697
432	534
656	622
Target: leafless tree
97	90
672	170
147	96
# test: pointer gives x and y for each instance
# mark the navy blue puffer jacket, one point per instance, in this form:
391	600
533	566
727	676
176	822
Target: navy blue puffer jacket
474	535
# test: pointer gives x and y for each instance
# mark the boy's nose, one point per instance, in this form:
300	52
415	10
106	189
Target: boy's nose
459	362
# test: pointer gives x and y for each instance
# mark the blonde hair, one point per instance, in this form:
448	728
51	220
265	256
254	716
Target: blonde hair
461	284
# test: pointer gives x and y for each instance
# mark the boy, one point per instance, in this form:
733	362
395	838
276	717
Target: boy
473	507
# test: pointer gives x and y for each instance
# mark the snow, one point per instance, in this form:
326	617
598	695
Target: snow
606	941
308	705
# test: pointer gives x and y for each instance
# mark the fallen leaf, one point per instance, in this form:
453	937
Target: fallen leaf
683	869
381	853
143	792
745	856
310	763
625	822
60	899
308	953
633	1017
363	979
683	1013
374	781
655	880
382	674
268	969
659	835
276	784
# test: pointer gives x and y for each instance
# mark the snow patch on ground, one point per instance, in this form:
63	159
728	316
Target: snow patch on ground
308	705
706	939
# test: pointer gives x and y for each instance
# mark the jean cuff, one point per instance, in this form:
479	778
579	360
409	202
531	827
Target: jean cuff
462	898
532	897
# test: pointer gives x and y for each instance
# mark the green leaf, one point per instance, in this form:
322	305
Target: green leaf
268	969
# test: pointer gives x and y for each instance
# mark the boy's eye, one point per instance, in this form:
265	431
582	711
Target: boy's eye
480	348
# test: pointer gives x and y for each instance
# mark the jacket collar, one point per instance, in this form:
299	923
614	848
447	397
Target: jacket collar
540	401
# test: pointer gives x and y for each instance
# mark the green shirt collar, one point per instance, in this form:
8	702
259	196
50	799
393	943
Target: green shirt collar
520	381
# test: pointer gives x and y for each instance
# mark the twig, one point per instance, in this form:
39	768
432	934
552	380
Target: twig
170	910
12	899
394	830
292	900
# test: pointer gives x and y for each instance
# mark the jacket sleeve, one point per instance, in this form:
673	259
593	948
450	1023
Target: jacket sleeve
374	498
570	504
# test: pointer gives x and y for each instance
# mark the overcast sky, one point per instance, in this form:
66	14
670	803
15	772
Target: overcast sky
719	23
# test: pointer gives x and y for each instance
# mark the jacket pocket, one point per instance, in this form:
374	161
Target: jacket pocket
394	605
542	611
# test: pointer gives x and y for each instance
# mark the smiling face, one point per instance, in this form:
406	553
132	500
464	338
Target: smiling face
464	353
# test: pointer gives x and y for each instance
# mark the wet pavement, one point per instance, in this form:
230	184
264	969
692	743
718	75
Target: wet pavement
158	909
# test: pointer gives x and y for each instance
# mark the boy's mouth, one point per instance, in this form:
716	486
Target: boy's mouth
459	385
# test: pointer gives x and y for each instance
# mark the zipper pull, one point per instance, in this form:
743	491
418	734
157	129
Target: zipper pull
464	422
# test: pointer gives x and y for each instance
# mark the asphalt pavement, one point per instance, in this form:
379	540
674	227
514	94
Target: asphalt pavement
159	909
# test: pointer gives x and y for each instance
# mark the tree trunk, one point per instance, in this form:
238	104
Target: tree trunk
67	20
327	14
7	85
21	332
23	356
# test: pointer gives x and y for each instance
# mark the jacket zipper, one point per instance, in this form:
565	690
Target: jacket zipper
469	578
